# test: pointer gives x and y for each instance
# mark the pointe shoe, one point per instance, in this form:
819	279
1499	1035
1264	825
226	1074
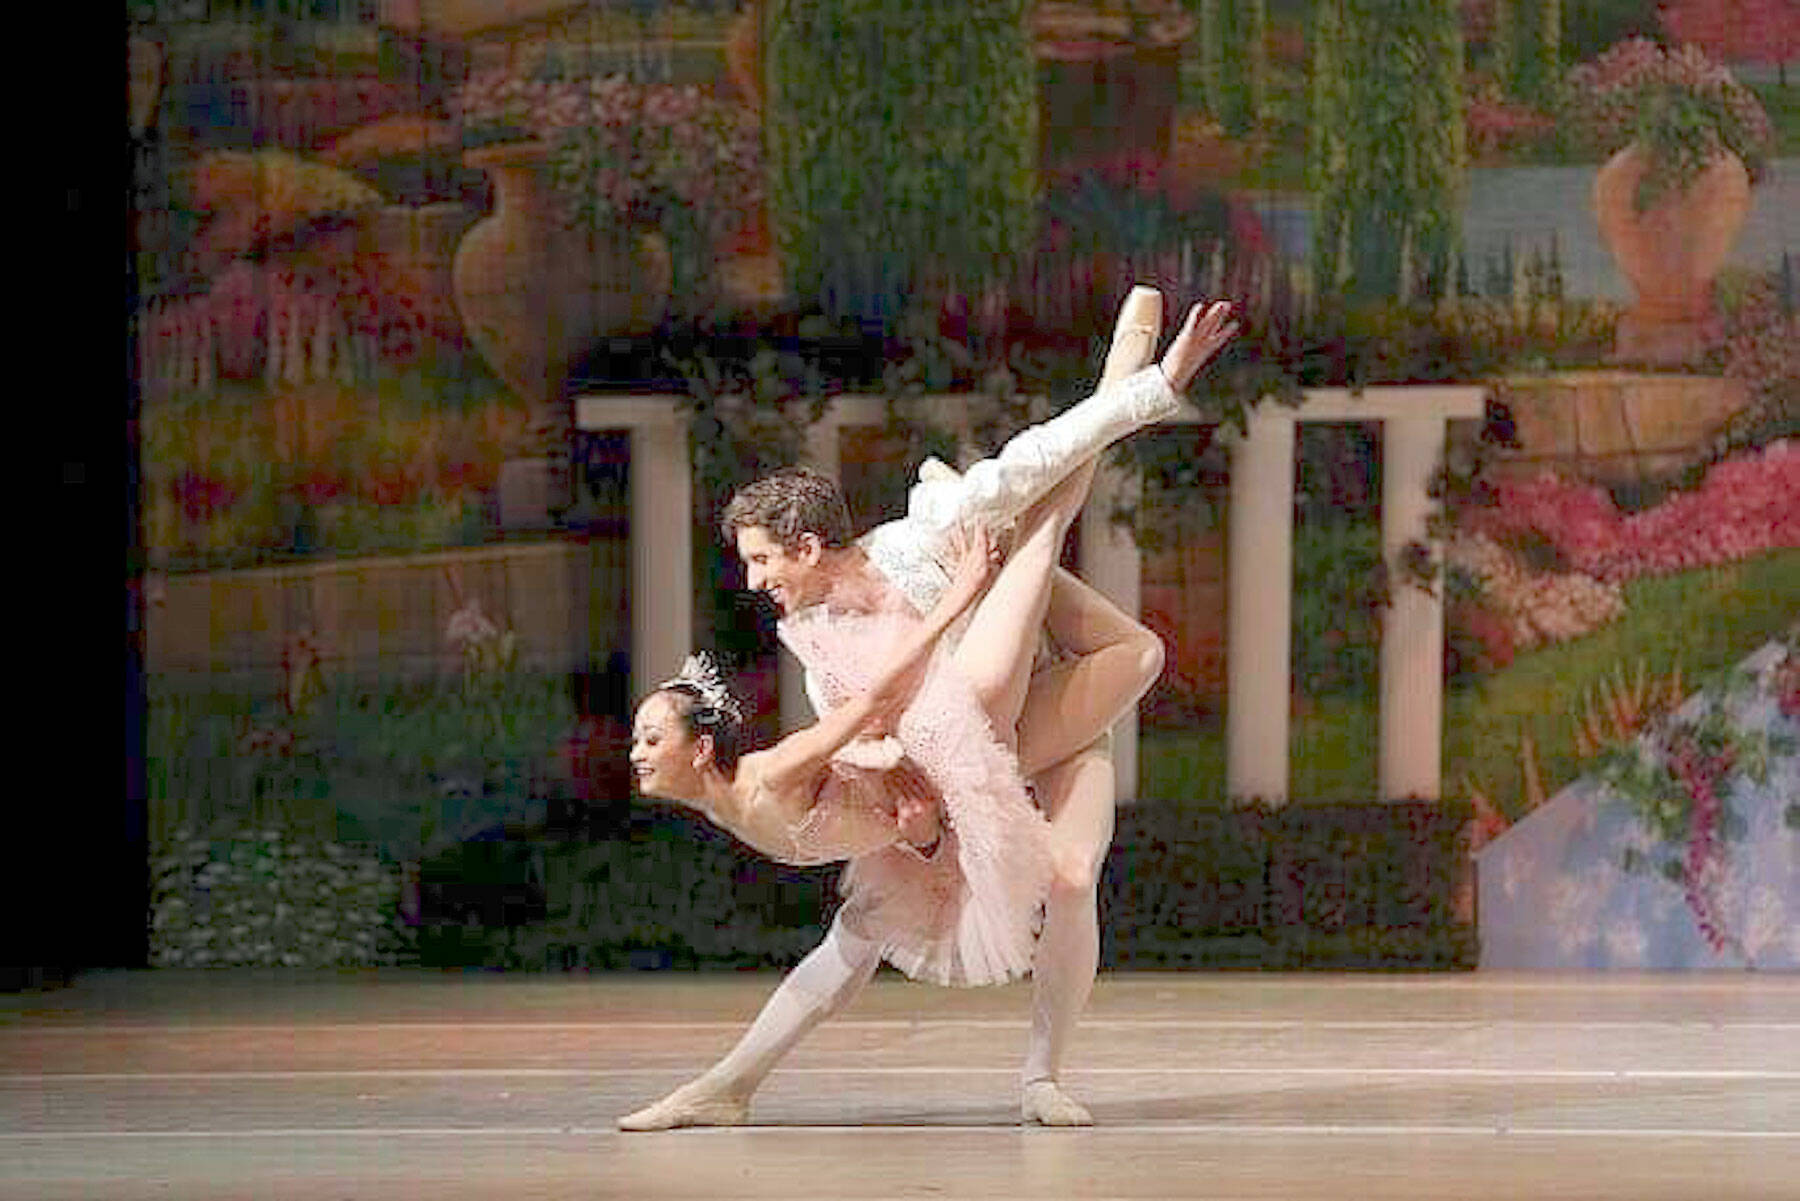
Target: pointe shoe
1045	1103
1134	335
684	1107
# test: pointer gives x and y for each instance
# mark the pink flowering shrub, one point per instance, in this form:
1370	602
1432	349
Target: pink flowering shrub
1762	348
1745	506
1680	104
1536	607
250	304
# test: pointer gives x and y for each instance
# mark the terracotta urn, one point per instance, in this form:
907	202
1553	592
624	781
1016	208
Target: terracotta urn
1671	252
535	294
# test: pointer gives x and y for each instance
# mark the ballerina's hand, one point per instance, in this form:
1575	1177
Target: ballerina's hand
1205	332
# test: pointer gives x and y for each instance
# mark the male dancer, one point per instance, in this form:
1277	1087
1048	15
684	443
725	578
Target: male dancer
792	530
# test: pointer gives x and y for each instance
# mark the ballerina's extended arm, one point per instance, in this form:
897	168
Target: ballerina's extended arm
792	763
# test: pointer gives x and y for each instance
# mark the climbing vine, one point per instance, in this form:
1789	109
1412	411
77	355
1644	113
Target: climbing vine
1681	781
901	140
1386	156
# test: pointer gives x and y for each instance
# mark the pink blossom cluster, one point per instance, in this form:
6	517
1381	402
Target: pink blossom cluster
1745	505
1610	97
1787	687
1700	774
1539	607
469	626
249	303
630	151
201	496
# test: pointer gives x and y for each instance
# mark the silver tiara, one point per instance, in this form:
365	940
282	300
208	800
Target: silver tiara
700	673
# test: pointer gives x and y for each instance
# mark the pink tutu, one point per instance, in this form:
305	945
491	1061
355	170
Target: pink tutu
969	915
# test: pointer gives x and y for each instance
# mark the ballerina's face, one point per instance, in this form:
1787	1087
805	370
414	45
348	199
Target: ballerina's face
791	577
665	755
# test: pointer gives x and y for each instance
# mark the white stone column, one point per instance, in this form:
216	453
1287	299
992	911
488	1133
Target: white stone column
1259	601
662	544
1111	563
1412	641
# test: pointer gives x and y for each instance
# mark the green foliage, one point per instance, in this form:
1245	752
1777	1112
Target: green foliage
672	892
1782	104
1234	63
1643	777
1537	63
901	142
1300	886
1503	40
1097	213
1525	48
749	414
1307	886
1340	589
1386	156
267	898
403	766
1590	26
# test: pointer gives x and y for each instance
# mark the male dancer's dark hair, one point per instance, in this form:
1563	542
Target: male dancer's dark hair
788	503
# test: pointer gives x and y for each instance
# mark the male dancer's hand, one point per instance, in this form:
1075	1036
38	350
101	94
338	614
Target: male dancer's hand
974	557
916	807
1205	332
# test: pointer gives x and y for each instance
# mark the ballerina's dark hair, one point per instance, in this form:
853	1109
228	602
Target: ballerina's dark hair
712	709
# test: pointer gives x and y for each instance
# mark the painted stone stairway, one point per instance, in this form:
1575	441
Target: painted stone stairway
1554	893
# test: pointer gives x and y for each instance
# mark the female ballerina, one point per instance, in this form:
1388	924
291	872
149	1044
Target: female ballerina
962	911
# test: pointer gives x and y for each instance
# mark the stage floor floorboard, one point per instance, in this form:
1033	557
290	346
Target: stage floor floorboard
394	1084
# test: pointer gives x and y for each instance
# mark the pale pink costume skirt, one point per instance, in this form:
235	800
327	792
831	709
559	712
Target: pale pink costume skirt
970	914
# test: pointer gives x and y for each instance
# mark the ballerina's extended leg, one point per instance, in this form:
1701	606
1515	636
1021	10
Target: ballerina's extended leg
823	983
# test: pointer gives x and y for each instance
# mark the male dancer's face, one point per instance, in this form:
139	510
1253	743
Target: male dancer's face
792	577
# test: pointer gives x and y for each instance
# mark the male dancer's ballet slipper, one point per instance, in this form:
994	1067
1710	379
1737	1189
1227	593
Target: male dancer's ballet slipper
684	1108
1045	1103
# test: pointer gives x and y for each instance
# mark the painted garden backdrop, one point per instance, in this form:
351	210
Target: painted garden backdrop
379	247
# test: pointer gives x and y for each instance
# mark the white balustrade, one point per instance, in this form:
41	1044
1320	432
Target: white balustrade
1259	599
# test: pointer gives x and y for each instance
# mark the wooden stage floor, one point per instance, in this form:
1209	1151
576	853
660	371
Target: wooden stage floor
1288	1087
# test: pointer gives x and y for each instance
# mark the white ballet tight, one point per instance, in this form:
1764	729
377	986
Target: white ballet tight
834	973
821	985
1078	796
